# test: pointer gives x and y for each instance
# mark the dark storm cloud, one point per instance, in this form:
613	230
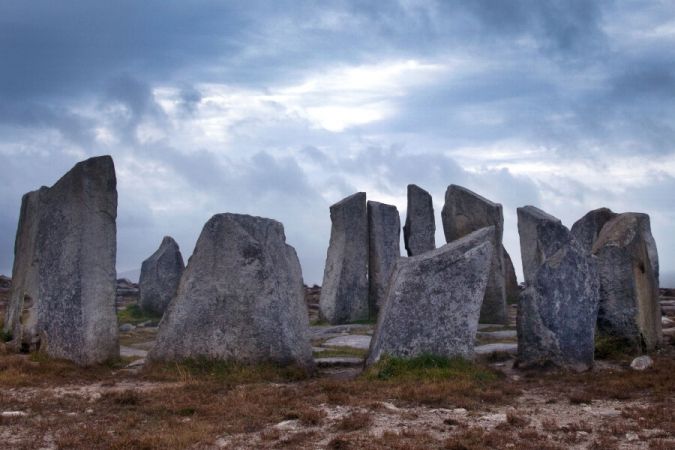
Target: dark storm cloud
575	80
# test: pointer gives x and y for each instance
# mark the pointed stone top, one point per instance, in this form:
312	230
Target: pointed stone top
622	229
168	240
537	214
453	188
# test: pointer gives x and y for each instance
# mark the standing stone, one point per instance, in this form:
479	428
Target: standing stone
21	318
419	231
434	299
559	306
240	299
512	289
384	236
629	307
344	293
64	301
160	275
587	229
465	212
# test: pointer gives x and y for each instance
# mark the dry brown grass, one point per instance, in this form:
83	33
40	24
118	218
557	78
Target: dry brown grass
192	404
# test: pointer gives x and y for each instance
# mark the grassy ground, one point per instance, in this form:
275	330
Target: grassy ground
424	403
134	315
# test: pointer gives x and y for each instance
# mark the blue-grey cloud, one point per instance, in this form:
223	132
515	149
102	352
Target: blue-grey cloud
212	106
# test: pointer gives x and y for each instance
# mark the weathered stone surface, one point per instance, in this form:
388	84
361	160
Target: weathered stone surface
22	310
587	229
419	231
511	286
160	275
558	308
464	212
434	299
344	293
384	236
629	307
63	297
241	298
77	246
541	235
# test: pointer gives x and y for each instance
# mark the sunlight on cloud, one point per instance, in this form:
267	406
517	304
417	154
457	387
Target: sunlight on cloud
333	100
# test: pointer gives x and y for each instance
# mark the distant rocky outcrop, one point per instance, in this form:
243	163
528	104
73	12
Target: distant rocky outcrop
434	301
464	212
63	298
344	292
559	306
160	275
241	298
419	231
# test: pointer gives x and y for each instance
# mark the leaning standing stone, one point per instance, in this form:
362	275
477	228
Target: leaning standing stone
344	293
465	212
434	301
419	231
384	235
559	306
160	275
629	307
76	248
240	299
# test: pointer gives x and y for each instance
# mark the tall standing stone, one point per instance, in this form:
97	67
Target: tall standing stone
559	306
77	250
384	236
22	310
344	293
65	266
419	231
629	307
465	212
240	299
160	275
434	299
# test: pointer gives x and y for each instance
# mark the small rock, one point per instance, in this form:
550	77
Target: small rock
10	414
95	396
89	411
630	437
459	411
642	363
127	327
287	425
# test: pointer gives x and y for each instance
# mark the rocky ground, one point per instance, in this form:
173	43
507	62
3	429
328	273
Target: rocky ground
488	404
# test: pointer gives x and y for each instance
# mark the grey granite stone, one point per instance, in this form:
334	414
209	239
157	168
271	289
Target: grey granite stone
160	275
384	235
434	300
464	212
629	294
419	231
559	306
241	298
344	293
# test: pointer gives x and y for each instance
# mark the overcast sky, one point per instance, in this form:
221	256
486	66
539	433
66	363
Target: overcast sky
281	108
